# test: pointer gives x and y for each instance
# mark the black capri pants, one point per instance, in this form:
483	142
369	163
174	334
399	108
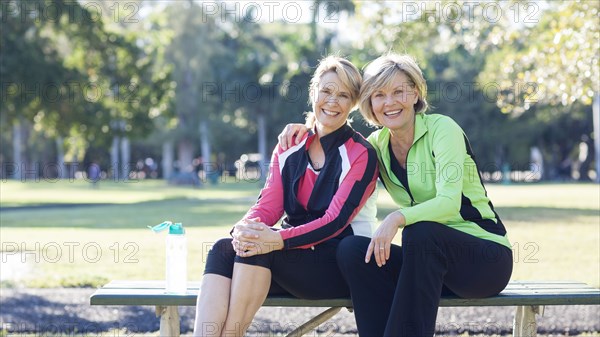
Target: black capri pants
303	273
401	298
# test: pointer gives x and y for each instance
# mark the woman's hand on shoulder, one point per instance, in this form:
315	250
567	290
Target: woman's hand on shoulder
291	134
381	241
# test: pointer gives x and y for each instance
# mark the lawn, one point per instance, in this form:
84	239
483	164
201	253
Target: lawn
70	234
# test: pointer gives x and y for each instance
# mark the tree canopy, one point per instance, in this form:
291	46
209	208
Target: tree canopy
218	82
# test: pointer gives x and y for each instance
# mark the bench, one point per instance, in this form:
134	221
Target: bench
529	297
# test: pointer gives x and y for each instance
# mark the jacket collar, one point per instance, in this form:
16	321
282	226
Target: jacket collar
420	130
336	138
383	140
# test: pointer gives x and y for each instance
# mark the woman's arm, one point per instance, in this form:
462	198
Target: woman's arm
355	189
269	205
449	148
448	145
252	234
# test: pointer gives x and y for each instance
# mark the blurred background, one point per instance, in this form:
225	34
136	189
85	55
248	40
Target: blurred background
196	91
116	115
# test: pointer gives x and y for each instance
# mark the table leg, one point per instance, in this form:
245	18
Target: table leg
524	324
169	321
314	322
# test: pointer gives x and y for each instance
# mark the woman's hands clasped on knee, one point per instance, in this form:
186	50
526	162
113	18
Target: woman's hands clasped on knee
381	241
252	237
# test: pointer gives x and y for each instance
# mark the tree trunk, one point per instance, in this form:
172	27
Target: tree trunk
185	156
167	160
17	149
60	159
262	146
596	113
205	142
114	157
125	158
313	21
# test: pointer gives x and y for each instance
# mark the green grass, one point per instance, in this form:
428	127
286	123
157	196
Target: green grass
16	193
554	228
191	212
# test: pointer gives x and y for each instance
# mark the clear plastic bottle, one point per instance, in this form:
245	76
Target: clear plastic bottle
176	256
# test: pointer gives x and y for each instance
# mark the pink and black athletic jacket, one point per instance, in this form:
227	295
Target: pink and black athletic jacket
319	205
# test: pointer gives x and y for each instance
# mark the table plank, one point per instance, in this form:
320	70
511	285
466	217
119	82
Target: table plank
517	293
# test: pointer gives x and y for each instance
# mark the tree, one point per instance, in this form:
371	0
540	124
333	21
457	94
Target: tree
200	62
462	43
332	9
445	44
555	61
79	76
140	84
38	87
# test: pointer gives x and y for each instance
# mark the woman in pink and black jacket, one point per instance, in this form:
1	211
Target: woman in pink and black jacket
319	186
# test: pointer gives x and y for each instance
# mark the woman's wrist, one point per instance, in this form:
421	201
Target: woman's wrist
401	219
277	244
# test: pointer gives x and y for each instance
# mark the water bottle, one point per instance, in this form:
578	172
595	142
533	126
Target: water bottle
176	266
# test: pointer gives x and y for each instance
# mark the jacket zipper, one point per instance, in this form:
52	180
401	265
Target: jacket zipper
407	188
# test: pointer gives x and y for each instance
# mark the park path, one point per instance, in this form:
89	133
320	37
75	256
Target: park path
67	310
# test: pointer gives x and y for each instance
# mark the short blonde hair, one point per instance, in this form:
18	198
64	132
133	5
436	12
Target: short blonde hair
348	74
379	73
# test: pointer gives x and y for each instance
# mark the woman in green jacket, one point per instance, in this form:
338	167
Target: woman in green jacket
453	242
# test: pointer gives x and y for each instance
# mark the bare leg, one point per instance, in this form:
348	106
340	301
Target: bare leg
212	305
249	289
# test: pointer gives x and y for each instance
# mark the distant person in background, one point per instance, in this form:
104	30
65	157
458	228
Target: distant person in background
537	163
453	242
320	185
94	174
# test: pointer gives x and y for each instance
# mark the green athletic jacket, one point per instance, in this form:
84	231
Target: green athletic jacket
443	180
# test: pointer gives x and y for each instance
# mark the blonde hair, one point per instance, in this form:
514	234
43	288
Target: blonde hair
348	74
379	74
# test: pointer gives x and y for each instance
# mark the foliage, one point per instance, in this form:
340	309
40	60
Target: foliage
487	70
549	75
72	77
556	60
209	80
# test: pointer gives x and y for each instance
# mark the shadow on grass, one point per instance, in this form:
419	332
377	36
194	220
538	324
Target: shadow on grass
219	212
535	215
542	215
29	313
191	212
39	314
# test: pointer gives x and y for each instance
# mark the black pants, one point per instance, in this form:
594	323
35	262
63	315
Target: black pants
402	297
303	273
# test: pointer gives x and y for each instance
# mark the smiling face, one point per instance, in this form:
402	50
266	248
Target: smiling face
332	103
393	105
392	82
